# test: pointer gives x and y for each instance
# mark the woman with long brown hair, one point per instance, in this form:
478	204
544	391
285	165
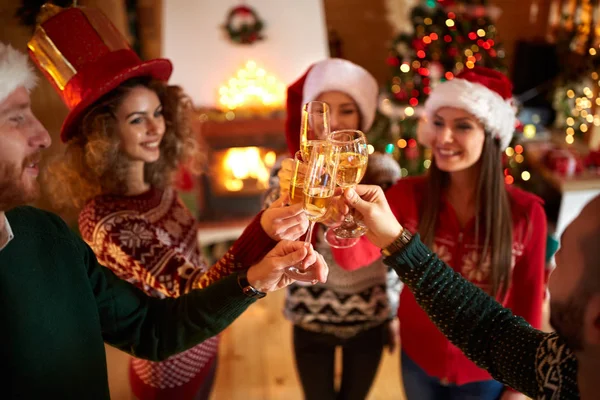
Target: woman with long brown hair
126	133
492	233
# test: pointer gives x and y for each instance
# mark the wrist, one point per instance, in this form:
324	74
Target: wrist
391	236
253	278
401	241
250	285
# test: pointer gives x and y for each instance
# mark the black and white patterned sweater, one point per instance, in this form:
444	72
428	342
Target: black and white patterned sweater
350	301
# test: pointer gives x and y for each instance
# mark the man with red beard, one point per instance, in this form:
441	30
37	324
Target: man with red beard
59	305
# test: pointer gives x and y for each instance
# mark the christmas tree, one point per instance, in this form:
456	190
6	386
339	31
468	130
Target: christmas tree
448	36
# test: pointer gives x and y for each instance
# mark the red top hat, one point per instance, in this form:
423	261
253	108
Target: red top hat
84	57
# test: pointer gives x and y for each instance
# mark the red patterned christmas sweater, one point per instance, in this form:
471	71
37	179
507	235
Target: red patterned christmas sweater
150	240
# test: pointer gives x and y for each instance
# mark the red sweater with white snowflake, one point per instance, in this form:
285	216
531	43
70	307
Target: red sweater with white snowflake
151	241
458	247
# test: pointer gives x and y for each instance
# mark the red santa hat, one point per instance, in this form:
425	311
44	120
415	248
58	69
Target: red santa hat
483	92
329	75
15	71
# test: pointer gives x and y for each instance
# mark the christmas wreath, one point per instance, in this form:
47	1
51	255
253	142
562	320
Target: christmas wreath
243	25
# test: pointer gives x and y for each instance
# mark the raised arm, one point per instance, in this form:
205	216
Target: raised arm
486	332
155	329
528	360
134	248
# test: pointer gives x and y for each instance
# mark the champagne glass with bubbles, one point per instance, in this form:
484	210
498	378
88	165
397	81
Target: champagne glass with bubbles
297	179
318	190
349	151
314	127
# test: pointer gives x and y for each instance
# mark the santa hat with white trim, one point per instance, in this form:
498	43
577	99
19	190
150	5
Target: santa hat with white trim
483	92
332	74
344	76
15	71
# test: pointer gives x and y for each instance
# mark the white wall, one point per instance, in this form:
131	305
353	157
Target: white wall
204	59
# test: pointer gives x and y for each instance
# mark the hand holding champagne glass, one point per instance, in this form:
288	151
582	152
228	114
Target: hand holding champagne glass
349	151
319	187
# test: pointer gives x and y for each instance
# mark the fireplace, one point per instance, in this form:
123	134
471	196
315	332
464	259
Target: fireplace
242	152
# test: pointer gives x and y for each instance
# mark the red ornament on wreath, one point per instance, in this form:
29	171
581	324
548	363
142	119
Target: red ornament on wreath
243	25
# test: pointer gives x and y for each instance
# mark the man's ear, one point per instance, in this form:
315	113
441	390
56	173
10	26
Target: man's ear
591	321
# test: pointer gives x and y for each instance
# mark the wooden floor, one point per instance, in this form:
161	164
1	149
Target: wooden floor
256	361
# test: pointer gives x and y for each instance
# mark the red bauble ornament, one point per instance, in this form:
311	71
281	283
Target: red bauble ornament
411	153
393	61
418	44
400	96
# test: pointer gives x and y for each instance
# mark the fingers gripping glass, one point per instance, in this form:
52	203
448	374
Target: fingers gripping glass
319	186
349	151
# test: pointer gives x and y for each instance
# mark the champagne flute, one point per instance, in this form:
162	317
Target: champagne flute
314	127
319	186
297	180
349	151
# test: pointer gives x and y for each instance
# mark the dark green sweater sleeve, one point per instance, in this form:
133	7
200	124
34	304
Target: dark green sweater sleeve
489	334
154	328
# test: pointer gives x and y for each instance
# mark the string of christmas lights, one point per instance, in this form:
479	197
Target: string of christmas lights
579	105
448	36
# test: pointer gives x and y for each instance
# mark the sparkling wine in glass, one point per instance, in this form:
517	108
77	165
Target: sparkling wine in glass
319	187
297	180
314	127
349	151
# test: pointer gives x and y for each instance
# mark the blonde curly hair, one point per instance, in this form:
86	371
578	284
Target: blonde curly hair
93	163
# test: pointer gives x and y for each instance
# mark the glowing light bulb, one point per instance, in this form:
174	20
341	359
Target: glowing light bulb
529	131
569	139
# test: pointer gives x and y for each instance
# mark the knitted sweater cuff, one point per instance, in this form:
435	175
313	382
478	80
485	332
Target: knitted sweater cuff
231	300
413	255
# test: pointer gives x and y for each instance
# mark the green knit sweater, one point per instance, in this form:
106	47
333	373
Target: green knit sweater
535	363
58	306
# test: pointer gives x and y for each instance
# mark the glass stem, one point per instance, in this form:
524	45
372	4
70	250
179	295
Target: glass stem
310	231
349	219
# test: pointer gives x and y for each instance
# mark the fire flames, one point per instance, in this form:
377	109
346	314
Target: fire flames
246	168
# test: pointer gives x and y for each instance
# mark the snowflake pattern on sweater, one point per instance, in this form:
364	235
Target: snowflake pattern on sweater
151	241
